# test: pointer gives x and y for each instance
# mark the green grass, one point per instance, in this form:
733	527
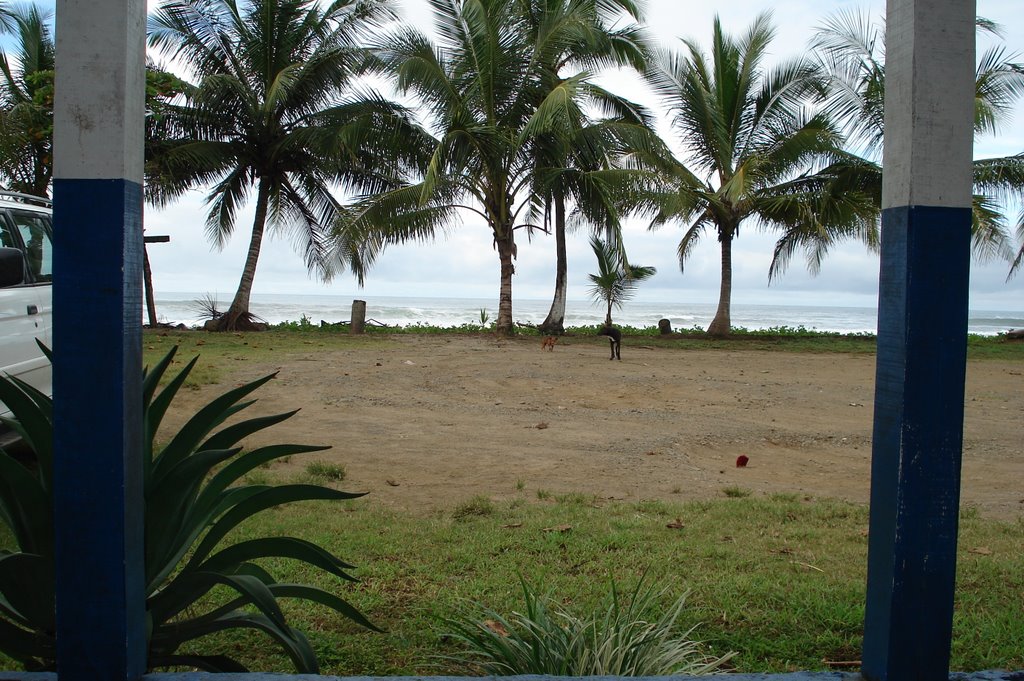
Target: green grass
476	507
325	472
221	350
735	492
780	580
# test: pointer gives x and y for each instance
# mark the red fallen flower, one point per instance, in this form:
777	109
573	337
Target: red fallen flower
741	461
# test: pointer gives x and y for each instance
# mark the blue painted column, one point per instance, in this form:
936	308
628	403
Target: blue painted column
98	156
922	339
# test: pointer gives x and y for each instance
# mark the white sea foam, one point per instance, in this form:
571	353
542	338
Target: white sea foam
395	311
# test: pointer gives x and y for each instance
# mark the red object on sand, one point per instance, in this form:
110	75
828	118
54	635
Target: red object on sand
741	461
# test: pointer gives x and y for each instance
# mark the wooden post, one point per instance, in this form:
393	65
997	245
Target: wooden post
147	282
922	339
147	277
97	295
358	316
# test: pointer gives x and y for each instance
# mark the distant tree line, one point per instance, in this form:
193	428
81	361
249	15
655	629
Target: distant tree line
509	129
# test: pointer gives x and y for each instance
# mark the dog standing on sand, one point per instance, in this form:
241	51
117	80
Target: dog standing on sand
549	343
614	338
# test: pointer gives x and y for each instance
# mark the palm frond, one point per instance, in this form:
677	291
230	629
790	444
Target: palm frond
1018	260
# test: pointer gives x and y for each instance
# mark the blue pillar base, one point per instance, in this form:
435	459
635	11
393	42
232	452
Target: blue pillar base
918	436
97	393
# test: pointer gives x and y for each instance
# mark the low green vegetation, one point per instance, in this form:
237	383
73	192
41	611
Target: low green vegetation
631	634
221	351
476	507
779	580
736	492
326	471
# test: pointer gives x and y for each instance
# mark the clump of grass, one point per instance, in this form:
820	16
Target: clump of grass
476	507
623	638
543	494
735	492
257	477
576	499
326	471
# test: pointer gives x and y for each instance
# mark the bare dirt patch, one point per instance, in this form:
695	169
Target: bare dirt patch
424	422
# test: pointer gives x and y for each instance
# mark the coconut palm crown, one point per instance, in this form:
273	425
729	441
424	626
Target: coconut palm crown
493	105
576	164
274	111
849	48
616	280
755	151
26	101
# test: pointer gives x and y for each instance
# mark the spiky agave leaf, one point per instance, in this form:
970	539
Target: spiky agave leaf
193	502
26	507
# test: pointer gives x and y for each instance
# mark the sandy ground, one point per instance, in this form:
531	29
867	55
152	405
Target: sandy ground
424	422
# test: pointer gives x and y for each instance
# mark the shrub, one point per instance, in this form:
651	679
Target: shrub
195	497
619	640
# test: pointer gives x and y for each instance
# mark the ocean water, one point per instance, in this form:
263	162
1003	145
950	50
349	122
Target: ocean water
184	308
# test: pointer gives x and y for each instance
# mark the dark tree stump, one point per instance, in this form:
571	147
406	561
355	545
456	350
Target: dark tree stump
664	326
358	316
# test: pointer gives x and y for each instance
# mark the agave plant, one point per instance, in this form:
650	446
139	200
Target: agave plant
194	499
618	640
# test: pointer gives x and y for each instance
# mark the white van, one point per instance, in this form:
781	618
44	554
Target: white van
26	296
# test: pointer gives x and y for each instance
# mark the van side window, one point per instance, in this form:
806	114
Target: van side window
7	238
35	232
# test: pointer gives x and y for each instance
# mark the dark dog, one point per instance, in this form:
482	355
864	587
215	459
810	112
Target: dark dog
614	338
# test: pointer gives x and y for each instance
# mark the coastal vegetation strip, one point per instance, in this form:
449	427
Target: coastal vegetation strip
221	352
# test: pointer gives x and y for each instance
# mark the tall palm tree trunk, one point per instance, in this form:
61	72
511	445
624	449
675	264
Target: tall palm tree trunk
506	254
722	322
554	324
237	318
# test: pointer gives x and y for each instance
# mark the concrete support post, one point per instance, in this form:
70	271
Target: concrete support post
98	262
922	339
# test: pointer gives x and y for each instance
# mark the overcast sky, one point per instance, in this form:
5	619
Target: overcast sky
463	264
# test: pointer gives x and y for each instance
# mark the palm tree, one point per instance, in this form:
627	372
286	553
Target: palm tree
494	107
850	50
583	35
26	102
616	280
270	113
754	152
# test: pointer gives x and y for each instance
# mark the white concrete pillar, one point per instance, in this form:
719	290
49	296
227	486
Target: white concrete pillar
98	255
922	339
